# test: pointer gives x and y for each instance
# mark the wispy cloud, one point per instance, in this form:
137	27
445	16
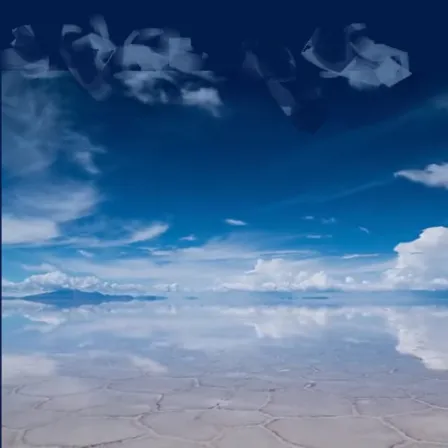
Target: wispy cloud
326	196
364	229
316	236
132	235
188	238
235	222
352	256
37	134
432	176
35	215
206	97
329	220
85	253
147	233
63	202
441	101
36	129
31	230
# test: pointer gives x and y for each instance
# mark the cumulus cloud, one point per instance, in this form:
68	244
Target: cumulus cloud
55	280
190	268
421	263
432	176
235	222
280	275
241	264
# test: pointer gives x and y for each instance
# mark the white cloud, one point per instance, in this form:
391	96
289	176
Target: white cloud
192	268
36	129
27	230
235	222
85	160
43	267
133	235
148	233
329	220
280	275
147	364
421	263
239	263
37	134
163	59
432	176
85	253
188	238
351	256
308	218
206	97
315	236
35	215
60	202
55	280
364	229
441	101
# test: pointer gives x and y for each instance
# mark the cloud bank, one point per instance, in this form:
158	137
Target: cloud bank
237	263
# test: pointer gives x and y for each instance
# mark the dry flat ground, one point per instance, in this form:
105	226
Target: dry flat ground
311	409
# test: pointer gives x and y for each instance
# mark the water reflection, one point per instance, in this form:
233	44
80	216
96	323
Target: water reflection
226	371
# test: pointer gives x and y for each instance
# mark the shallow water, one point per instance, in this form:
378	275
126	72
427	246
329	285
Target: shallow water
223	371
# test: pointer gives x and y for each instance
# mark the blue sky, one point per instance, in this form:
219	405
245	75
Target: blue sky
220	192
